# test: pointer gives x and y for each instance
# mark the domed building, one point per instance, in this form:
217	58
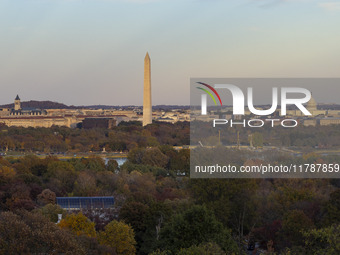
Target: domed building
312	105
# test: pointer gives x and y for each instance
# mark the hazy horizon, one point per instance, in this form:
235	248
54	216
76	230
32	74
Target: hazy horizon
91	52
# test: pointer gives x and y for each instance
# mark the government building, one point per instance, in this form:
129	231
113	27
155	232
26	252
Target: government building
32	117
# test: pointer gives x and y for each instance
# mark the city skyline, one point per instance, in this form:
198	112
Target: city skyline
91	52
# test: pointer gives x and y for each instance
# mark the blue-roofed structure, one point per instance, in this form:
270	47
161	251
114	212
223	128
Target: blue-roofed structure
85	203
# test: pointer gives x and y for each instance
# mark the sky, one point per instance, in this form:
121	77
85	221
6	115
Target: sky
87	52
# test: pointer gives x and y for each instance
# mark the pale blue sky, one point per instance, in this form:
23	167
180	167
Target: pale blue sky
86	52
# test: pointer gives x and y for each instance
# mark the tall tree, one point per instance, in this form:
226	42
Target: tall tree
78	224
195	226
32	233
120	236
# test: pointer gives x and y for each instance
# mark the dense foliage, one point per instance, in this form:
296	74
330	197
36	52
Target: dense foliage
302	137
122	138
158	208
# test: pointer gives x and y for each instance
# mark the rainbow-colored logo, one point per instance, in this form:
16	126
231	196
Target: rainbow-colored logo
209	93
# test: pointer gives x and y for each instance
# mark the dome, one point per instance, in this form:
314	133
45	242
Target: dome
312	105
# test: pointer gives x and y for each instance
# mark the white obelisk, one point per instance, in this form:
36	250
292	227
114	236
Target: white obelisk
147	105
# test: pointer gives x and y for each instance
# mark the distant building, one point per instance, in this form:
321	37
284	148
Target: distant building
17	104
33	117
166	119
85	203
311	106
39	121
107	123
18	111
329	121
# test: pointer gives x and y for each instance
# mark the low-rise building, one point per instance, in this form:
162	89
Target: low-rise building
94	122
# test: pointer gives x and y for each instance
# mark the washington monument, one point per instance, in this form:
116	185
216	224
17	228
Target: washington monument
147	105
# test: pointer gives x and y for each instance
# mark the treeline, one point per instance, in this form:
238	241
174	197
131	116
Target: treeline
159	210
124	137
40	105
326	137
29	186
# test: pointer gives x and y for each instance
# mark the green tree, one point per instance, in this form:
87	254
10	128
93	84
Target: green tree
61	176
149	156
195	226
154	157
133	213
112	165
181	161
159	252
51	212
135	156
323	241
293	224
206	249
95	163
7	174
232	201
120	236
333	208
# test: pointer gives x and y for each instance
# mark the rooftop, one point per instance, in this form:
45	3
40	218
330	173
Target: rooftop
78	203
